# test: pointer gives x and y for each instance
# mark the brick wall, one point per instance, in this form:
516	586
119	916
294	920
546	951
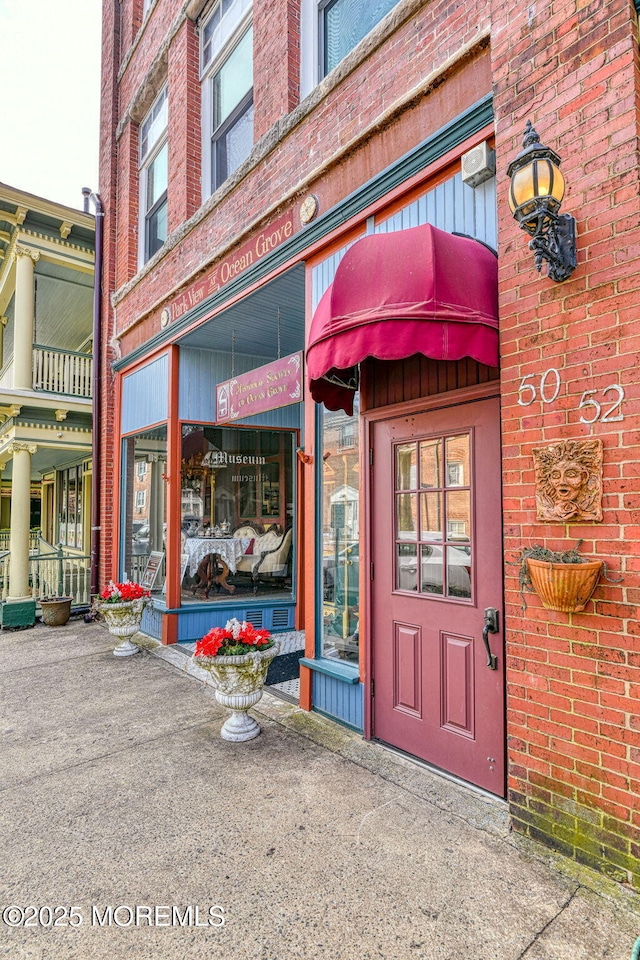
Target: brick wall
414	51
574	679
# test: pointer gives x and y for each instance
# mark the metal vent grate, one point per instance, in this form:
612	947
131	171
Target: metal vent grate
254	617
280	618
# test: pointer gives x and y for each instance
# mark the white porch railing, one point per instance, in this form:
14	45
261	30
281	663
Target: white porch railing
53	575
62	371
34	540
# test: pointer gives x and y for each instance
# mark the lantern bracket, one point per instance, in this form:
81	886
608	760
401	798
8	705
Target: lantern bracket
556	243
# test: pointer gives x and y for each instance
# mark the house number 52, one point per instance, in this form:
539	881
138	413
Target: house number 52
607	409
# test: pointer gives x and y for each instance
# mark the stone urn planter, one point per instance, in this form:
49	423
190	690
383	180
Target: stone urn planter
123	621
238	683
55	610
122	605
237	656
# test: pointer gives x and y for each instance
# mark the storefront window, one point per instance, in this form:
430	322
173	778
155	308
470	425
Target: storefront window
144	539
340	534
237	512
70	507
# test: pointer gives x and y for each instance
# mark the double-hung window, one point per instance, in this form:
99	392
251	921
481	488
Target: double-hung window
330	29
343	24
154	175
226	61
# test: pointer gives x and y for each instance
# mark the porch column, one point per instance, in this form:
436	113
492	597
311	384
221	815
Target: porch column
24	318
3	322
20	520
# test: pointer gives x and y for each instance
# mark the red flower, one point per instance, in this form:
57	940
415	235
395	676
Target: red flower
123	592
234	638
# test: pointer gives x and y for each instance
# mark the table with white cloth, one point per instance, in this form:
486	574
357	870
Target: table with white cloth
229	549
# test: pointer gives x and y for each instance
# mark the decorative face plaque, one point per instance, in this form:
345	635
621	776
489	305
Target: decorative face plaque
569	481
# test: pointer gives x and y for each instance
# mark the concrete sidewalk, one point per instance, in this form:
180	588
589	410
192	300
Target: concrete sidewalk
116	791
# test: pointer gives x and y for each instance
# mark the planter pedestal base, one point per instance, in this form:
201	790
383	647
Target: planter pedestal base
125	649
240	727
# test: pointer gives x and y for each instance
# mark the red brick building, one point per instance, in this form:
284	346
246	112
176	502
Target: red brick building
290	180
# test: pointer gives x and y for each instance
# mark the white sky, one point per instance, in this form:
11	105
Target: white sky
50	97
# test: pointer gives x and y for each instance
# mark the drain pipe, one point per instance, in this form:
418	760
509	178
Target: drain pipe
96	445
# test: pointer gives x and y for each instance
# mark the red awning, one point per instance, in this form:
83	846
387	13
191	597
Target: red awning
396	294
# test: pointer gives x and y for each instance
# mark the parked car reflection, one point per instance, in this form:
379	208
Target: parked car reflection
432	578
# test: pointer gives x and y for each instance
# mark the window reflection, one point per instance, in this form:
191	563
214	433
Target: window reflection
340	506
444	535
145	462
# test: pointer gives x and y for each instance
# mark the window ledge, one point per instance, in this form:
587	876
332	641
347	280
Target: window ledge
333	668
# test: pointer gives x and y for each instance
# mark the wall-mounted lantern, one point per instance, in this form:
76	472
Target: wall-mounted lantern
535	197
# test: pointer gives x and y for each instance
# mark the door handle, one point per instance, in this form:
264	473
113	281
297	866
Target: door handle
490	626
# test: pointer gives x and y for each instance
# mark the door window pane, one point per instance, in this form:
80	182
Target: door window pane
406	462
406	517
459	572
458	461
431	463
459	515
431	569
406	566
431	516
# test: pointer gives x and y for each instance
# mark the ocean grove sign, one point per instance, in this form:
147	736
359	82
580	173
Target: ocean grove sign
233	265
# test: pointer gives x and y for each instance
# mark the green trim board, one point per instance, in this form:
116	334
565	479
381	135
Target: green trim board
441	142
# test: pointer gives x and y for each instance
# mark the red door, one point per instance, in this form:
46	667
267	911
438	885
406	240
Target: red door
437	565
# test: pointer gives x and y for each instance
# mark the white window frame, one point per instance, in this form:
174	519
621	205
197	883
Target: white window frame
141	468
231	34
310	46
141	499
146	158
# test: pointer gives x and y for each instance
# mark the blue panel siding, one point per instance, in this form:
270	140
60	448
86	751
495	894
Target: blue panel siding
201	370
145	395
194	622
338	700
451	206
152	622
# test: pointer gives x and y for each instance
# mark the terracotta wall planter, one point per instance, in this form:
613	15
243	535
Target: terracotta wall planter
564	586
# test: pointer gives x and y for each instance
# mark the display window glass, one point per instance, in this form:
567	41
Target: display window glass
237	513
145	508
340	517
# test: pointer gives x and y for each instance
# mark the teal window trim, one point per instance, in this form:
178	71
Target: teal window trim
437	145
333	668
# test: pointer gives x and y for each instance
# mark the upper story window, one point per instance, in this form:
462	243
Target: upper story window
154	178
226	62
330	29
343	24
